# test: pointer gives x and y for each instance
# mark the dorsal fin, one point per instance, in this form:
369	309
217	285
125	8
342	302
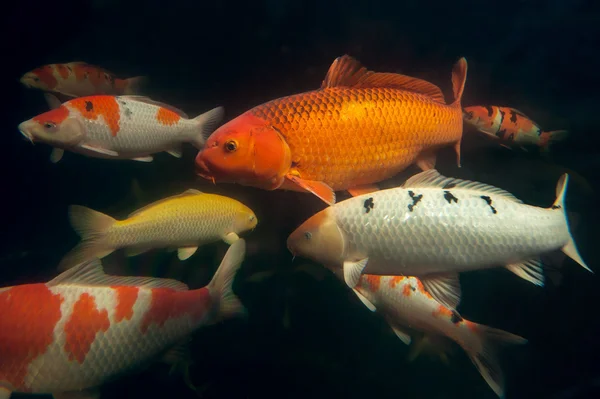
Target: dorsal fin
191	191
91	273
519	113
148	100
432	178
346	71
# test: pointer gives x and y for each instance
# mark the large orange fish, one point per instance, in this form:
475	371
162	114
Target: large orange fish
359	128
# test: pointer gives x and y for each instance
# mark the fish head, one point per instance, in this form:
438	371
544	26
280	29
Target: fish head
319	238
56	127
40	78
247	150
476	116
245	219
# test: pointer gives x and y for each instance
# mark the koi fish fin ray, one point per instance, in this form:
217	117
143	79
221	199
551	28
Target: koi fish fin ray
176	152
570	249
444	288
485	358
364	300
99	150
365	189
320	189
178	357
221	285
185	252
426	160
90	393
230	238
207	123
459	78
56	155
433	178
531	270
401	333
148	158
52	100
353	271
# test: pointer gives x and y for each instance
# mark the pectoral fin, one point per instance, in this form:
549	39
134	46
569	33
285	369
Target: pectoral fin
99	150
320	189
230	238
185	252
365	189
353	270
444	288
56	155
364	300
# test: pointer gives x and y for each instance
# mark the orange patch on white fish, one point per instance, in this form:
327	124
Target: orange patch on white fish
395	280
46	75
168	304
442	311
95	106
126	297
167	117
373	281
63	71
55	116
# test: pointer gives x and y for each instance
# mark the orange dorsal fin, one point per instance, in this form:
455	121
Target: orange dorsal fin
346	71
459	77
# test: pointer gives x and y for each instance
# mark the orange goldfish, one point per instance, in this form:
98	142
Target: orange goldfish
511	127
78	79
359	128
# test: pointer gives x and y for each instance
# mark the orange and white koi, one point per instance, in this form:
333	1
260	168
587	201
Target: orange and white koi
404	301
80	79
68	336
511	127
119	127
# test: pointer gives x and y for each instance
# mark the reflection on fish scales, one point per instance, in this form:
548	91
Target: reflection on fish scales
69	336
433	224
183	221
124	127
359	128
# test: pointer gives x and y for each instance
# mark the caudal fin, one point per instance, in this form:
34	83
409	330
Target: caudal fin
222	282
91	227
484	355
207	123
459	78
134	85
552	137
569	249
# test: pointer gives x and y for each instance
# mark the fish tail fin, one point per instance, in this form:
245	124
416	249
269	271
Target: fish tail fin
569	249
552	137
134	85
206	124
221	285
91	226
459	78
484	355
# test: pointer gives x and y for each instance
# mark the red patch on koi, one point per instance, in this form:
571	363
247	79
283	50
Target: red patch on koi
56	116
46	75
126	297
81	329
168	304
29	314
442	311
394	281
63	71
422	290
167	117
93	107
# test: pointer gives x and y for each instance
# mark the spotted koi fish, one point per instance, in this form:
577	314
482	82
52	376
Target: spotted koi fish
435	224
80	79
68	336
511	127
121	127
404	301
184	221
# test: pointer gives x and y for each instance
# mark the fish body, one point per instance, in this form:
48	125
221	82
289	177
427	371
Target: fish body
407	306
433	224
183	221
359	128
121	127
511	127
82	328
79	79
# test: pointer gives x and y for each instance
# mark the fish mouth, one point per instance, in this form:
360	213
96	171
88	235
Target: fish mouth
27	135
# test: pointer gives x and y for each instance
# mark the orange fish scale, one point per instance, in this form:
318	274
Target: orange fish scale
352	136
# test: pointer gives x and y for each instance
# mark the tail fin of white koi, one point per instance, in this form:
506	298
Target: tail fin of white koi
569	249
207	123
221	284
484	356
134	85
91	227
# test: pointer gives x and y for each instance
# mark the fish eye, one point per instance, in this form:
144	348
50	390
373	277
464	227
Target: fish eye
252	218
230	146
49	125
36	79
308	235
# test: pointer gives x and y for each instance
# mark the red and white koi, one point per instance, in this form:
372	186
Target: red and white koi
79	79
404	301
70	335
511	127
119	127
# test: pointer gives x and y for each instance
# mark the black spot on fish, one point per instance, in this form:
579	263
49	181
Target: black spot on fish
556	207
502	115
456	318
490	111
413	288
449	197
89	106
513	116
415	198
369	204
294	164
449	185
488	200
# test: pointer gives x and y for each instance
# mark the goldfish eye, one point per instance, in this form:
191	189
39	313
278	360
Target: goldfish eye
308	235
231	146
49	125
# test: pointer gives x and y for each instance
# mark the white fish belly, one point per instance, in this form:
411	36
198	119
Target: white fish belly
434	230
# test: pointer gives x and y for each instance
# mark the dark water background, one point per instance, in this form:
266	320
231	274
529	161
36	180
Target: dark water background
305	337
